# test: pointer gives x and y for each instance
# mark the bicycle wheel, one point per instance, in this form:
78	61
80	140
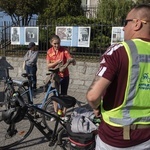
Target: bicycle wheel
46	120
63	139
11	135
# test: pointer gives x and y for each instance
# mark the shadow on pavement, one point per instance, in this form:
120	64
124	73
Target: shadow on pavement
29	143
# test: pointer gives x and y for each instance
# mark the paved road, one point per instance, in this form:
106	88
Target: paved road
36	140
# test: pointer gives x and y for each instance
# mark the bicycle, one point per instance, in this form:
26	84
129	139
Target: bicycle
13	132
9	90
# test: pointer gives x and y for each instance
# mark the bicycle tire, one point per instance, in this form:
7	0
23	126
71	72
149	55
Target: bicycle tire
63	139
22	131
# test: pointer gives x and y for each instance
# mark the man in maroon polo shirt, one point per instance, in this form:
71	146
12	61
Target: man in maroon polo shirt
125	114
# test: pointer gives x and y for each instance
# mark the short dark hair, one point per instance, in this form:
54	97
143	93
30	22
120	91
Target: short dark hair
145	8
54	37
31	44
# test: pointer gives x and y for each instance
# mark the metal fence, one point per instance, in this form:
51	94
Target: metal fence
100	40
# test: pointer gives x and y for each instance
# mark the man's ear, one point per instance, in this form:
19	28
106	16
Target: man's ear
138	25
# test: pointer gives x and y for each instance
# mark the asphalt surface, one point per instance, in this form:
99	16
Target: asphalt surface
36	140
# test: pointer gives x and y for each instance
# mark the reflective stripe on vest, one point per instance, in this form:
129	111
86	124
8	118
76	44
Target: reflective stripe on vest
133	74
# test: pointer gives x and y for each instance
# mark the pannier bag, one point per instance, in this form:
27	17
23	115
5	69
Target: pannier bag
81	141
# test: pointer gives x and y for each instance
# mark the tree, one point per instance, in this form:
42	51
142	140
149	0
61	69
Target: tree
143	1
116	11
21	9
59	8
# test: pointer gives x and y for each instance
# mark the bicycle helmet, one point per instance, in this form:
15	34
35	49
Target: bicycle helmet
14	114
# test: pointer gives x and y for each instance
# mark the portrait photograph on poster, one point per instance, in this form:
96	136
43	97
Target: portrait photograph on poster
31	34
117	35
84	36
15	35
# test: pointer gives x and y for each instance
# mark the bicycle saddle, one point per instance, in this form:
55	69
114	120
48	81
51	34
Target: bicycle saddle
65	100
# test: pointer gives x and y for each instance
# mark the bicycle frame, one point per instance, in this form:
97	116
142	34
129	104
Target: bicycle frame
49	91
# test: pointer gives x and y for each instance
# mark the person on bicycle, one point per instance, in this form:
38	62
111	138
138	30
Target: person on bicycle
30	59
125	107
59	55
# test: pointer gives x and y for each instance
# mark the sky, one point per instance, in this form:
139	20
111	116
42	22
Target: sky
5	17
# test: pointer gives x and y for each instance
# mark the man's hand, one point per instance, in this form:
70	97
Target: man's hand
97	112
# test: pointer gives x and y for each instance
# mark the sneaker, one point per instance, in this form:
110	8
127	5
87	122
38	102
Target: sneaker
52	119
65	118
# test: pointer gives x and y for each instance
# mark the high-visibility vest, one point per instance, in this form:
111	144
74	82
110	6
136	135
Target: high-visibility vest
135	108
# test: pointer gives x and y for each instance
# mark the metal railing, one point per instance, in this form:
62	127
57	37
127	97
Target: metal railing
100	39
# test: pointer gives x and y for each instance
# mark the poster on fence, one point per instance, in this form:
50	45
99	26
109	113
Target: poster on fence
117	35
15	35
31	34
74	36
24	35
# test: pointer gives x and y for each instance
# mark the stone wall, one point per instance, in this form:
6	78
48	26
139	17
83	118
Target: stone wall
81	75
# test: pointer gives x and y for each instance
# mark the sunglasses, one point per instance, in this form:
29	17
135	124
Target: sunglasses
128	20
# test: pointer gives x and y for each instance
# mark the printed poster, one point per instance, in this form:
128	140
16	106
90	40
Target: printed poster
15	35
74	36
117	35
24	35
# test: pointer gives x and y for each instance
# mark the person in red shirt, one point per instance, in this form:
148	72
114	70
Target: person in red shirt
59	55
118	82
